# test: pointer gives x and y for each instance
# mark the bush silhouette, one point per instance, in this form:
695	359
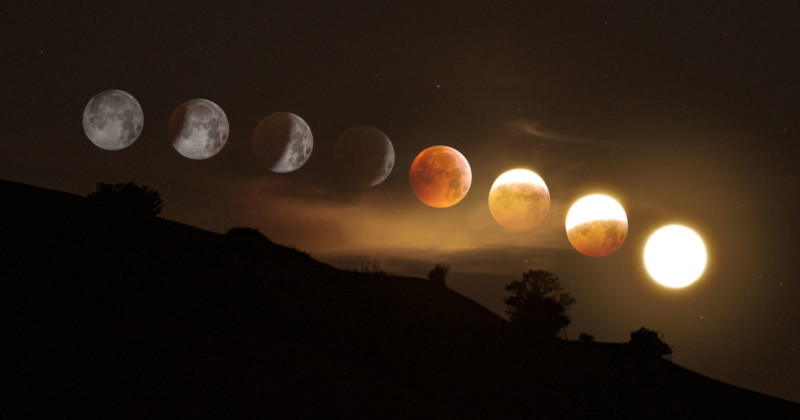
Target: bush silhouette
125	200
585	338
438	274
537	307
648	342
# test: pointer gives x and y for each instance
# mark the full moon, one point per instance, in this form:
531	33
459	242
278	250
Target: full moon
113	119
364	156
675	256
596	225
440	176
519	200
282	142
198	129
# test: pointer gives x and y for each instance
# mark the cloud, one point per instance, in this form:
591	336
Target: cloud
537	129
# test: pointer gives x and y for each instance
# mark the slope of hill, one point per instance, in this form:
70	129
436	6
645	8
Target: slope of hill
142	317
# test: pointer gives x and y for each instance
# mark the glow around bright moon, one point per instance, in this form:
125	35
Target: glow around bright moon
198	129
519	200
675	256
113	119
596	225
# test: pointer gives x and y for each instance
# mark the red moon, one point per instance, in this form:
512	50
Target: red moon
440	176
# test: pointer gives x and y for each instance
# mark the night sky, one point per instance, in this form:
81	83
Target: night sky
685	113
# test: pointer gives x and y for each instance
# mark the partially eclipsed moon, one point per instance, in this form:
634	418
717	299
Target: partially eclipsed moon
675	256
198	129
364	156
113	119
519	200
282	142
440	176
596	225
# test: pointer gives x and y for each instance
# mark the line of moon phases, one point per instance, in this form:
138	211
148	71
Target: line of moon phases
675	256
282	142
113	119
440	176
198	129
364	156
519	200
596	225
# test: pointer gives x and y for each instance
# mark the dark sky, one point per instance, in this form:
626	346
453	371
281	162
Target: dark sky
687	113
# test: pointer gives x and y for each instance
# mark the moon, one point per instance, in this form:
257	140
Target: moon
519	200
596	225
364	156
440	176
198	129
675	256
282	142
113	119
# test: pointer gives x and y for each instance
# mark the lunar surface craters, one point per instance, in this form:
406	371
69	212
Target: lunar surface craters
113	119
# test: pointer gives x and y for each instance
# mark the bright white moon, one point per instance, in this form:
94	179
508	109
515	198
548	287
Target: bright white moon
113	119
675	256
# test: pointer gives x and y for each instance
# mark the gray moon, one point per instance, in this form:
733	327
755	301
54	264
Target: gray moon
113	119
282	142
198	129
364	156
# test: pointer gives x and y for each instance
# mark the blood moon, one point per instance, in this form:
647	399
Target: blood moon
596	225
440	176
519	200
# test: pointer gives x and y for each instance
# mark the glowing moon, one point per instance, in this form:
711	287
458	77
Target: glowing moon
282	142
519	200
113	119
596	225
198	129
440	176
364	156
675	256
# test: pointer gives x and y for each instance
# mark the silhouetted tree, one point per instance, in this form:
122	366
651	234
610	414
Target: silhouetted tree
438	274
585	338
537	306
649	342
126	199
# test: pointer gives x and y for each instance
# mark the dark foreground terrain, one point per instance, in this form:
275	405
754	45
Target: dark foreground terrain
143	317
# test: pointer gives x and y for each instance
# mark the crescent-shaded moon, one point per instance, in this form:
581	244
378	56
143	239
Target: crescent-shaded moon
198	129
364	156
282	142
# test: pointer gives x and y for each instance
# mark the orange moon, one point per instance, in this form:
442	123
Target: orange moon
519	200
440	176
596	225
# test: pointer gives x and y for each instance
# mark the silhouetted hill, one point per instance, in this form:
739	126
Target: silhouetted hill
141	317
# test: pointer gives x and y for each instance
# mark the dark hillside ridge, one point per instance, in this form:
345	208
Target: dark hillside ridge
147	317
